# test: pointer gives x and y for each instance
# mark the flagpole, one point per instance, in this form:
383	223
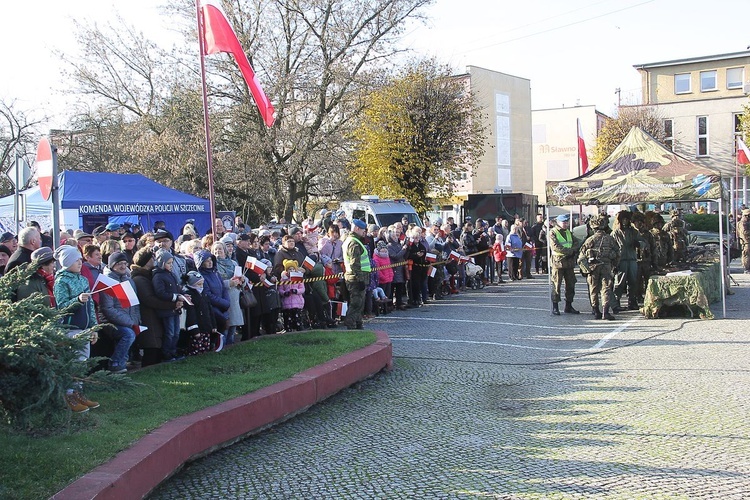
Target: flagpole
209	160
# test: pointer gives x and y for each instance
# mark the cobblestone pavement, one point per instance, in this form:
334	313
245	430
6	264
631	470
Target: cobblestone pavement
492	397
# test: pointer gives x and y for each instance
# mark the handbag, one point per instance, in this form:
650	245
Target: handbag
247	299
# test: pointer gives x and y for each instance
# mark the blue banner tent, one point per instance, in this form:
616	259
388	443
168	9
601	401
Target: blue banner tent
88	199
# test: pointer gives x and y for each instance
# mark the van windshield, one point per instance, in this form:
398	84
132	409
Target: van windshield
388	219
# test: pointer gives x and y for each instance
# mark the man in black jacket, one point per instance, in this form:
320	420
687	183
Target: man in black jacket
29	239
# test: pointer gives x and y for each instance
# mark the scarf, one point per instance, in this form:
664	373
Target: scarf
49	280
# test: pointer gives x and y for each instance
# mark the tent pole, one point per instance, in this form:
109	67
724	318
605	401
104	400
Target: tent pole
721	260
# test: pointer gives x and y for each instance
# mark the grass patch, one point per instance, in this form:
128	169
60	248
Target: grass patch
39	467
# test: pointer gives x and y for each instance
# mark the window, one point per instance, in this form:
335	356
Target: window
682	83
668	134
708	81
735	77
702	136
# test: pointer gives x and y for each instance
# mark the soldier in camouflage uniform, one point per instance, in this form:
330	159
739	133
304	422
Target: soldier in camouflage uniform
743	233
628	239
599	254
564	248
663	252
679	234
645	254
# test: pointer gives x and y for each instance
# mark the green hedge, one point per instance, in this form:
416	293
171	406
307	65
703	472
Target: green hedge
704	222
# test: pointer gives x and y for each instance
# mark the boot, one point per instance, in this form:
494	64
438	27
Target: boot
596	312
616	308
360	326
75	405
84	400
569	308
632	304
556	308
606	315
330	322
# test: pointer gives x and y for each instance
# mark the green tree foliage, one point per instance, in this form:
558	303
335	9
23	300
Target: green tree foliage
745	122
615	129
39	362
417	136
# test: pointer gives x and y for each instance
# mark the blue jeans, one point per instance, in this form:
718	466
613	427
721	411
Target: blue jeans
171	336
123	340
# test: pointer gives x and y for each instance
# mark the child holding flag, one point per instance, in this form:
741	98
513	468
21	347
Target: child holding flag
292	297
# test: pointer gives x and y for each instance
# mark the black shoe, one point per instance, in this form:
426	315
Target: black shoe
596	312
569	309
607	316
555	309
360	326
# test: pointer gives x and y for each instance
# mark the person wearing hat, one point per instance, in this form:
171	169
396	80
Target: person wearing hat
743	233
564	247
43	280
72	293
126	318
10	241
113	229
599	255
200	320
100	234
165	240
128	245
29	240
629	241
167	288
299	236
288	251
150	340
357	273
5	254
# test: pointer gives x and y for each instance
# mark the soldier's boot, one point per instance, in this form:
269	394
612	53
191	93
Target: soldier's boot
632	304
556	308
596	312
569	308
616	308
606	315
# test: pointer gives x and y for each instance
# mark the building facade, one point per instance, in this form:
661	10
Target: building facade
555	142
506	165
700	100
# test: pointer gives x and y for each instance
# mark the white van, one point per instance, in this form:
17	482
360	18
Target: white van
382	213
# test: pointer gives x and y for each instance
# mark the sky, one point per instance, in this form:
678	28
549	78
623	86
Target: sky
573	52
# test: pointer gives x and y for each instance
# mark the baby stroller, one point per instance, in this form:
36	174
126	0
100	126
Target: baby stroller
474	276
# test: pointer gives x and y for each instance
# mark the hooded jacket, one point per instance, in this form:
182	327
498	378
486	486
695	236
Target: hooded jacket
213	285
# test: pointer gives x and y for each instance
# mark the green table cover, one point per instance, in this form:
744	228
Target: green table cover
696	292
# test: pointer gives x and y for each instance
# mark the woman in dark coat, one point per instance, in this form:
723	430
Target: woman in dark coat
151	339
216	291
397	252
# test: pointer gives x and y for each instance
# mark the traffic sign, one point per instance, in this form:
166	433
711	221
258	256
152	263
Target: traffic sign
44	168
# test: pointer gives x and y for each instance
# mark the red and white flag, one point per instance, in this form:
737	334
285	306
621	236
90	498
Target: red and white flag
743	154
582	150
255	265
431	271
296	276
125	293
308	263
430	257
454	256
340	308
104	284
463	259
218	36
266	282
140	329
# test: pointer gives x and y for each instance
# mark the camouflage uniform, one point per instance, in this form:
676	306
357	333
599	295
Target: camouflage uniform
628	239
598	256
645	254
678	232
663	251
743	233
564	248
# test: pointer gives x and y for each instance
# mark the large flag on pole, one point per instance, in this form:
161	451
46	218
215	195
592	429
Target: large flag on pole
218	36
743	154
582	149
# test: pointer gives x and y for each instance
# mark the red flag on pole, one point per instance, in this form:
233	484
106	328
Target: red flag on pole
743	154
582	150
218	36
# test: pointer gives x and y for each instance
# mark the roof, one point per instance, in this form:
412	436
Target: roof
639	170
692	60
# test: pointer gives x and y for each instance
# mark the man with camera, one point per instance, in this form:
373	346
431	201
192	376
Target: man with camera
598	256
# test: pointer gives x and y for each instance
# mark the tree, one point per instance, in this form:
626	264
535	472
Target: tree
418	135
317	60
615	129
745	123
18	133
